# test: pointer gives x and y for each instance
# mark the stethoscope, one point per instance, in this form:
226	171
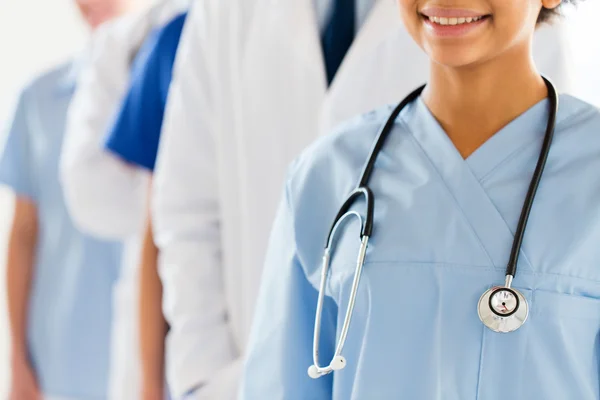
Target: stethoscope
501	308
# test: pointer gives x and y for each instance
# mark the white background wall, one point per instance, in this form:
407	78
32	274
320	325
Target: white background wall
36	34
585	31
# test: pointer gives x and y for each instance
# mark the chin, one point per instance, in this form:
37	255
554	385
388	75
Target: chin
456	58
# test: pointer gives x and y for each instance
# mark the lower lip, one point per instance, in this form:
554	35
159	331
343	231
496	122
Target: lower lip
454	30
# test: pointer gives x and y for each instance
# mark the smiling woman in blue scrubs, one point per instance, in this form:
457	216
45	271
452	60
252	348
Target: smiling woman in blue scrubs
448	188
59	280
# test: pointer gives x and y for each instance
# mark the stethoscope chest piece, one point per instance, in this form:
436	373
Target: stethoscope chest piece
503	309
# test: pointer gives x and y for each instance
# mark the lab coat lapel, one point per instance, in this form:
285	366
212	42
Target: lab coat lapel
471	199
382	48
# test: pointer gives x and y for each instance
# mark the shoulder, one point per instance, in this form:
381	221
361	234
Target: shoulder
575	110
578	117
48	81
324	174
334	162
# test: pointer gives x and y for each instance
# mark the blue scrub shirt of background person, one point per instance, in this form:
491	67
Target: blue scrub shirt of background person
70	303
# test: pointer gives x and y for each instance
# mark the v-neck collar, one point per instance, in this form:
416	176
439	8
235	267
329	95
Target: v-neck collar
461	177
529	127
526	128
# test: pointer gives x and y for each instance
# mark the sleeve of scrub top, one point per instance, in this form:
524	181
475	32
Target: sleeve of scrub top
281	341
186	225
135	134
105	196
15	166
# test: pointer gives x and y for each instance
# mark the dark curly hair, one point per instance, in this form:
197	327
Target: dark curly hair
548	15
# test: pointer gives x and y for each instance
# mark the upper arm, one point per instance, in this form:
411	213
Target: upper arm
17	169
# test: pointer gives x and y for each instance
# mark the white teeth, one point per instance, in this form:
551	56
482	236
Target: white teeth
454	20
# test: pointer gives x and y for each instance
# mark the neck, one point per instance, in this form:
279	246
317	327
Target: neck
473	103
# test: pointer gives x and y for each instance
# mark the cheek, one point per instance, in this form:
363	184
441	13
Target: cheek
515	25
516	16
410	19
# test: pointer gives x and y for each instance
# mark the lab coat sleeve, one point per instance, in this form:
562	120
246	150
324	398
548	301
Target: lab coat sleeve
105	196
15	166
186	222
280	346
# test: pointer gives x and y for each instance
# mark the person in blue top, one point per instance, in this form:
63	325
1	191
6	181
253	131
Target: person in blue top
59	280
134	137
445	246
135	133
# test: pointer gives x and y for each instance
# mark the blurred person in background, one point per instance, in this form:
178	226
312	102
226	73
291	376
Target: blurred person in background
91	176
59	280
254	83
134	138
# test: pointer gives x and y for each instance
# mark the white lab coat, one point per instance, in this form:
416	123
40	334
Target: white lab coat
100	190
249	92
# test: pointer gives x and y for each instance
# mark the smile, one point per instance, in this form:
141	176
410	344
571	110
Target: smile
453	23
454	20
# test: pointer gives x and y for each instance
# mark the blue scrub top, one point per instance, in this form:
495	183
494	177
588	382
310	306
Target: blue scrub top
135	134
70	309
442	234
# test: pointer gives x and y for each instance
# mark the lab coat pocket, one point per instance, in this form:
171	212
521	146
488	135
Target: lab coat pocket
553	356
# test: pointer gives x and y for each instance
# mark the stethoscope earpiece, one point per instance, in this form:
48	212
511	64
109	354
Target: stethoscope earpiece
313	372
337	363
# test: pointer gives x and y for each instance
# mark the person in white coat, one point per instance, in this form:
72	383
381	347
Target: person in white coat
92	196
250	90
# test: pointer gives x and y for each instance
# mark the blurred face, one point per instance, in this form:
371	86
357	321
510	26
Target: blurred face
460	33
96	12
